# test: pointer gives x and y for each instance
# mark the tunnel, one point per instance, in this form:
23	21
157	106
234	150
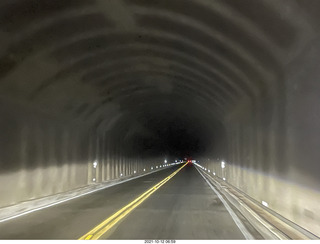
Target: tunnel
98	92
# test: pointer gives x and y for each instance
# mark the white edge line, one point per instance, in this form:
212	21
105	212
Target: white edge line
235	218
71	198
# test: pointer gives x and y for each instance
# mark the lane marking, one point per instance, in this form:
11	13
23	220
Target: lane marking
235	218
107	224
74	197
88	237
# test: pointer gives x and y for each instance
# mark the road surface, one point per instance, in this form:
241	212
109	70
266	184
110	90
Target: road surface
185	207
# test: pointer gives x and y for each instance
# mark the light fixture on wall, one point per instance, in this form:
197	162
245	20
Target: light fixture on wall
223	164
95	164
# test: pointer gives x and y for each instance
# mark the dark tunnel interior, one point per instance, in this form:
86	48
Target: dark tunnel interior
128	83
168	129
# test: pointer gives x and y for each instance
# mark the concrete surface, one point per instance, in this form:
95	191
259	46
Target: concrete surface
184	208
130	83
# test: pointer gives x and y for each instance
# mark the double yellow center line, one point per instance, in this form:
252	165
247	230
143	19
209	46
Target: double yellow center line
107	224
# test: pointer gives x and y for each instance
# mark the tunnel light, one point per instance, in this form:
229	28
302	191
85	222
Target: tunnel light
214	173
156	167
121	174
144	169
160	166
265	204
94	179
95	164
224	178
165	161
223	164
151	167
134	172
209	170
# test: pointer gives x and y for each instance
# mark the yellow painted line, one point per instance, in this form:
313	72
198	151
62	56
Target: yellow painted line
107	224
88	237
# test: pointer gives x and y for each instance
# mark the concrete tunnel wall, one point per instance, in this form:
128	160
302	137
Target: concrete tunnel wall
272	153
130	82
43	156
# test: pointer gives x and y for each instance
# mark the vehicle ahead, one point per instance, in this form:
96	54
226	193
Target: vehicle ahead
191	161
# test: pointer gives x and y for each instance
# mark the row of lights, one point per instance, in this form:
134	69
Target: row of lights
223	165
95	164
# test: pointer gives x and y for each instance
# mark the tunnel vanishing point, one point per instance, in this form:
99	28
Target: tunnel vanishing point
95	90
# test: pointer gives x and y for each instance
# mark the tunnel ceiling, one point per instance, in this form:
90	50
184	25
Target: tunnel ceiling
153	72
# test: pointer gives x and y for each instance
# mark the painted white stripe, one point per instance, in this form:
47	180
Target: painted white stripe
70	198
235	218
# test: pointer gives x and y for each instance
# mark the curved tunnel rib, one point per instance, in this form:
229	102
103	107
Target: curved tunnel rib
91	89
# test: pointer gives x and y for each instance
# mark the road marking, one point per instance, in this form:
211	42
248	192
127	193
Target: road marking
107	224
235	218
74	197
88	237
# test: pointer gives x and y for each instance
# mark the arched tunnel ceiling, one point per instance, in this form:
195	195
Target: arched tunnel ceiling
146	67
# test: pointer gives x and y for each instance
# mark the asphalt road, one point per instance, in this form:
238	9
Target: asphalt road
185	208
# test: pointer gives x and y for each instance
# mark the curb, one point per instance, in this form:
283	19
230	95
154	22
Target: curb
270	226
26	207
